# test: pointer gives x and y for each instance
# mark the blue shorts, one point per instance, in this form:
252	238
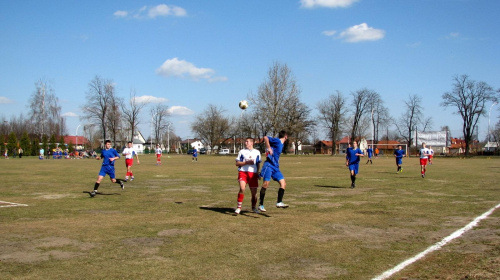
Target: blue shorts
399	161
268	171
109	170
354	167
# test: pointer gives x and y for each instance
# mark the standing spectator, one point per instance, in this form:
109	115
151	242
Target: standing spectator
20	151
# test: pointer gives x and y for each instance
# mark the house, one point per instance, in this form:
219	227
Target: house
457	146
138	142
79	142
325	147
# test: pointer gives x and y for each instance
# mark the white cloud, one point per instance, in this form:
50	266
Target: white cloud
69	114
5	100
361	32
120	14
150	99
182	68
152	12
329	32
310	4
180	111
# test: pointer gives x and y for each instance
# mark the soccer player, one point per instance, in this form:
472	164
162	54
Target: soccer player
399	154
195	154
248	162
108	155
129	153
424	155
369	151
41	154
271	169
158	153
352	160
431	154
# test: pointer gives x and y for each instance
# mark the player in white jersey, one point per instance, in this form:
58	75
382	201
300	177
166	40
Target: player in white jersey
158	153
424	155
129	153
248	162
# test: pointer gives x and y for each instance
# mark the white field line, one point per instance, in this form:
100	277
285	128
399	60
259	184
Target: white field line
11	204
436	246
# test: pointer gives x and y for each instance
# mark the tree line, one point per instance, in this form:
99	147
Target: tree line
277	105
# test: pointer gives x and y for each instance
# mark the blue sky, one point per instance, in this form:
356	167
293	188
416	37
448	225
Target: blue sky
188	54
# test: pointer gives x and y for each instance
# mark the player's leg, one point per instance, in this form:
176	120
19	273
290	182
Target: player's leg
97	183
253	183
265	174
281	193
112	176
242	180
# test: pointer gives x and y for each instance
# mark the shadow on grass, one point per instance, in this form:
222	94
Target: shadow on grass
101	193
331	187
230	211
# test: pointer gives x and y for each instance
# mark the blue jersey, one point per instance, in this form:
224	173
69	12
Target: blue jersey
106	155
369	152
277	148
195	153
351	156
399	153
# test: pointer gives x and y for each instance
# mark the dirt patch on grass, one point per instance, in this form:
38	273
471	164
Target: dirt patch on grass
40	250
175	232
297	268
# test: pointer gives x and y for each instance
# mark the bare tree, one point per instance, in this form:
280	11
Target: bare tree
114	120
407	123
277	105
131	111
362	100
98	103
469	98
331	114
212	127
45	111
159	117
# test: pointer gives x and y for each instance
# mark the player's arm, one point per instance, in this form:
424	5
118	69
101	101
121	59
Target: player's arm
268	145
136	156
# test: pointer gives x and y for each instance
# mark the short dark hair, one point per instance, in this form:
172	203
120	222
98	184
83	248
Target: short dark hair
250	138
129	142
282	134
107	141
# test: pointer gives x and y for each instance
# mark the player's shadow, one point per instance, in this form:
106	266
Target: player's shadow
330	187
100	193
230	211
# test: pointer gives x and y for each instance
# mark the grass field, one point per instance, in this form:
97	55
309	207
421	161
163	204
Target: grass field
176	221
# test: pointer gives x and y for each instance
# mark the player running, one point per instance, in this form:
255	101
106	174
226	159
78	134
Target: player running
431	154
271	169
195	155
399	154
108	155
424	155
369	151
248	162
352	160
129	153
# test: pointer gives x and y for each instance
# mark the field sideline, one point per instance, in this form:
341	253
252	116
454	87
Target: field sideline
175	221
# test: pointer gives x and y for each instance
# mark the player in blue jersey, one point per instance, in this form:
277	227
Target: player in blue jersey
399	154
271	169
352	159
108	155
369	152
195	155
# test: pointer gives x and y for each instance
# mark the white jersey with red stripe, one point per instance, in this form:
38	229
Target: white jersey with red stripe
247	155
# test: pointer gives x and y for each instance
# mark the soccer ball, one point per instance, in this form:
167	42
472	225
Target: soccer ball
243	104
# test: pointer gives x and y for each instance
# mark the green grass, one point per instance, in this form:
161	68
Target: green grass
175	221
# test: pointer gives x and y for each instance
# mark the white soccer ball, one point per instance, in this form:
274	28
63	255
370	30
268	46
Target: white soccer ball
243	104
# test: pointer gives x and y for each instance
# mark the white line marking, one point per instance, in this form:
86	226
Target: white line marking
11	204
436	246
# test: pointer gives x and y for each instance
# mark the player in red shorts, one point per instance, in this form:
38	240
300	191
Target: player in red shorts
158	153
248	162
129	153
424	155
